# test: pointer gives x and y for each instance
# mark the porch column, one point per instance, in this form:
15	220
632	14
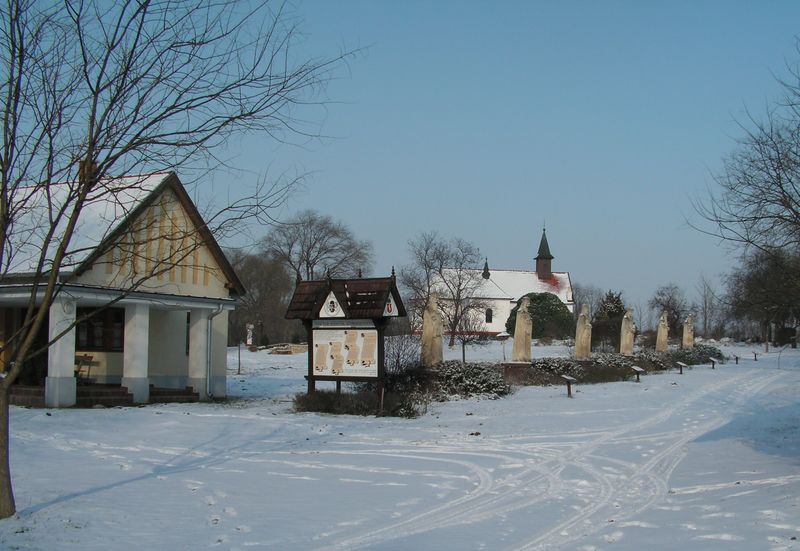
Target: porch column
60	386
134	357
198	351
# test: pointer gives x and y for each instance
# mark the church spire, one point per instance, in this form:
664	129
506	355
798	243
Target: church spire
486	274
544	258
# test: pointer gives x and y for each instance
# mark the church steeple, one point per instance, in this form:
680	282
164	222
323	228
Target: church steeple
486	274
544	258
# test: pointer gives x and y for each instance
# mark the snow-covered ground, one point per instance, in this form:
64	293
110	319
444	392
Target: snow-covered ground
705	460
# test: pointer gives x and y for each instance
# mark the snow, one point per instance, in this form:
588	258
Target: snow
106	207
705	460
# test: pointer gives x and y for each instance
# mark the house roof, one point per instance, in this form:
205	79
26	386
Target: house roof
363	298
108	211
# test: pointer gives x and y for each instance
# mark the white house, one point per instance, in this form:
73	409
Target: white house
499	290
143	244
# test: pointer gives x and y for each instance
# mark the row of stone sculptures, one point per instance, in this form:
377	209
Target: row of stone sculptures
583	334
432	331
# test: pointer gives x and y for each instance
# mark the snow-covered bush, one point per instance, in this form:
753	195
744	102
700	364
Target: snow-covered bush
470	379
650	360
699	354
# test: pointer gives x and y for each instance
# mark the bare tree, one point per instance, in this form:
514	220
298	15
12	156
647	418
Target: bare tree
471	329
708	306
449	267
311	244
756	200
269	289
94	91
590	295
669	298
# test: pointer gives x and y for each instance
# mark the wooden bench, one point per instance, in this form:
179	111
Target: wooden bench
83	368
570	381
681	365
638	370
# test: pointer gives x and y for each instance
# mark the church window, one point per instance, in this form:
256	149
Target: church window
488	315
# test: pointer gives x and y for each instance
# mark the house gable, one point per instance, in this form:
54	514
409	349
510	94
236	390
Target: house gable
162	246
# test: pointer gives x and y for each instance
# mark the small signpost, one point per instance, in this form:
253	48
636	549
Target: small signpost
638	370
681	365
345	321
570	381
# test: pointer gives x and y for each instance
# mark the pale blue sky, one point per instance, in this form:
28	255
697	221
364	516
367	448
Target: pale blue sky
484	119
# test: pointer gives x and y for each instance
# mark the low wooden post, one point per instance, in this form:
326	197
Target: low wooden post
755	356
681	365
569	380
638	371
338	388
736	358
713	364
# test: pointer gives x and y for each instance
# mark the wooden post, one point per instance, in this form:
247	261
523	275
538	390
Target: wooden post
755	356
681	365
713	363
338	388
735	357
569	380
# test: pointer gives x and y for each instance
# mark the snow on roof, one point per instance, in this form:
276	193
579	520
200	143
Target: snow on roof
107	206
514	284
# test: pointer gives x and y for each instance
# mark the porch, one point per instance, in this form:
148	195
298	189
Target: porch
146	348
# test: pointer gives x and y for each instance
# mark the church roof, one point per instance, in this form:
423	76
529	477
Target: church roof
544	248
514	284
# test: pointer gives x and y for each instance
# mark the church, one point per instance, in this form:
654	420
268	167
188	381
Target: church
499	290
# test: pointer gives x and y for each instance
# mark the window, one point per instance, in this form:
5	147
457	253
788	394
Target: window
488	315
104	331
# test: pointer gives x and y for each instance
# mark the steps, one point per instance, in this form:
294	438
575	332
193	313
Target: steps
89	396
173	395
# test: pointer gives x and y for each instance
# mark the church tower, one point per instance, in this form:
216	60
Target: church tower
543	259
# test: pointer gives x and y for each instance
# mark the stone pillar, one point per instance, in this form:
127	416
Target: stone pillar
198	351
432	353
583	335
60	389
662	334
522	333
688	333
626	334
135	356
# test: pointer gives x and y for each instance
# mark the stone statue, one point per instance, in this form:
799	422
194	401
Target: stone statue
626	334
662	334
432	333
522	333
688	332
583	335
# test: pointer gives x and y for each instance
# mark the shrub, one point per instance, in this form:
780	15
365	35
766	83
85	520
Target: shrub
362	402
650	360
550	317
699	354
469	379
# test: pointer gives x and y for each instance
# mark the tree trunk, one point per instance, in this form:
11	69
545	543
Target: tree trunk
463	353
7	507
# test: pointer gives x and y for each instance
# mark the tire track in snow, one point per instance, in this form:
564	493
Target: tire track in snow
491	499
655	471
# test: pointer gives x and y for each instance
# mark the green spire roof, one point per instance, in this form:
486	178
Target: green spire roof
544	248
